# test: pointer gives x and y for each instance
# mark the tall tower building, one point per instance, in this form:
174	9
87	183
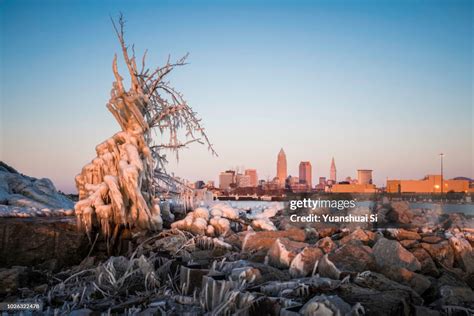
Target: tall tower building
306	173
281	168
332	172
253	176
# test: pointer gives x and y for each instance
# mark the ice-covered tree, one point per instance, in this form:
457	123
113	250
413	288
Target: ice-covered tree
119	188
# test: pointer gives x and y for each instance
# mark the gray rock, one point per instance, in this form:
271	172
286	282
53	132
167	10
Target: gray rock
327	268
400	214
305	262
441	252
376	303
283	251
417	282
351	258
463	253
379	282
450	289
325	305
390	253
427	264
456	295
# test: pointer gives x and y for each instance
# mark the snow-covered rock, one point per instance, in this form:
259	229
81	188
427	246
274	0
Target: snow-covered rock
199	222
263	224
217	217
201	212
23	196
225	210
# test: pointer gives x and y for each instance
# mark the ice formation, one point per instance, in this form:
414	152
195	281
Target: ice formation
116	187
201	221
120	187
216	220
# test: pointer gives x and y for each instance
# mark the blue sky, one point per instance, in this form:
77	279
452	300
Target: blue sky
384	85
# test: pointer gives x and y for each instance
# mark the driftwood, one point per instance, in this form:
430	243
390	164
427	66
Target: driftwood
121	186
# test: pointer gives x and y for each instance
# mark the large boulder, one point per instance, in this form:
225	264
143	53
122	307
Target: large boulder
267	273
463	254
305	262
391	302
450	289
399	212
389	253
418	282
351	258
441	252
263	240
379	282
456	296
325	305
283	251
33	241
428	266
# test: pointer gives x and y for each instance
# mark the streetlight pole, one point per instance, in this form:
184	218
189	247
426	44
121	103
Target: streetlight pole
442	182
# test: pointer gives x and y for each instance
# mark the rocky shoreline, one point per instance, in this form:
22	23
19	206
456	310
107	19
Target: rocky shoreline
219	260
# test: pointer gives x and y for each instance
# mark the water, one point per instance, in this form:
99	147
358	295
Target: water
467	209
254	204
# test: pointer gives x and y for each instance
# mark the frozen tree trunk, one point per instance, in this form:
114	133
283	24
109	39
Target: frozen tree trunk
116	187
120	187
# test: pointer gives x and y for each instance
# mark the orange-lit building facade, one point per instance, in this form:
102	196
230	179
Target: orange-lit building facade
252	173
281	168
430	184
354	188
306	174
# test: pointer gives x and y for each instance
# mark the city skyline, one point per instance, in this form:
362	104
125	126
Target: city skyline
305	177
370	83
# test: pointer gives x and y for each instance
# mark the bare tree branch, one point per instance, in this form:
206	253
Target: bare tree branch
121	185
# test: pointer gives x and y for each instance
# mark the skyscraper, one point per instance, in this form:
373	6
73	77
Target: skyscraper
253	176
306	173
281	168
226	179
332	172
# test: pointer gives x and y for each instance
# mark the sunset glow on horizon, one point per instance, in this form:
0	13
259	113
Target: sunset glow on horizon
385	85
